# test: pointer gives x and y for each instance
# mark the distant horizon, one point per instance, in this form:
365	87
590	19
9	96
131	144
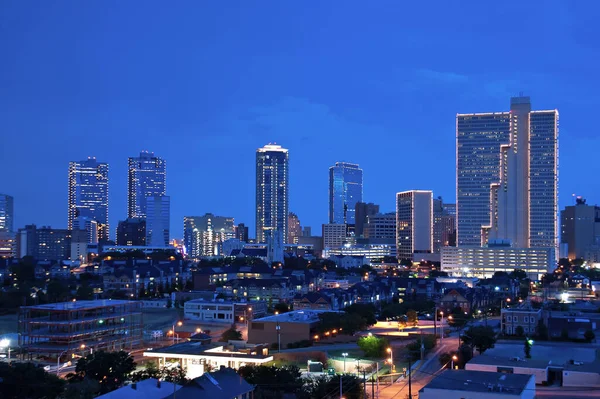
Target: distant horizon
204	85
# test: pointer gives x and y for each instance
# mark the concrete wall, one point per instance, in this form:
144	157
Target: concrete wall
580	379
541	375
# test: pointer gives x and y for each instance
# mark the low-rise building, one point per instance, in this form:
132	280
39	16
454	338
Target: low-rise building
313	301
221	311
197	358
150	388
461	384
224	383
524	316
298	325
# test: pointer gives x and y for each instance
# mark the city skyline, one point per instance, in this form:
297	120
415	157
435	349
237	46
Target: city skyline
205	104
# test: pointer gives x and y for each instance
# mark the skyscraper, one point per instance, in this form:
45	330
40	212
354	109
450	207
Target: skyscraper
158	220
88	194
147	178
272	190
345	190
294	229
507	177
241	231
414	223
580	228
132	232
361	213
6	213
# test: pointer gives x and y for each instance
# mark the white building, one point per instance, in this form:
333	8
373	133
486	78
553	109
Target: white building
483	262
212	312
348	261
371	252
463	384
414	223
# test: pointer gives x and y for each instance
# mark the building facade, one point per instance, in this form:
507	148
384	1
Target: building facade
88	194
414	223
507	177
483	262
44	243
6	213
131	232
158	220
580	228
345	191
241	232
381	228
147	178
362	211
204	235
294	229
334	235
272	190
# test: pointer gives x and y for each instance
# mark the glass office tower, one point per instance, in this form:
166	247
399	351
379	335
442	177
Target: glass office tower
88	194
272	190
345	191
147	178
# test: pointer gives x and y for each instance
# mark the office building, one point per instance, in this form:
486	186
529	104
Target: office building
6	213
381	228
272	190
306	231
334	235
372	253
345	191
414	223
241	232
483	262
78	328
362	211
147	178
294	229
448	229
507	177
44	243
88	194
204	235
131	232
8	244
438	214
580	228
90	226
294	326
158	220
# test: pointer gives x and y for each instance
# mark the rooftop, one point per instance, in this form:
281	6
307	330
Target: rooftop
296	316
224	383
220	349
80	305
146	389
480	381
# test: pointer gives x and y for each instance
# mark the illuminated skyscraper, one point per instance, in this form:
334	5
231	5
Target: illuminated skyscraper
204	235
294	229
414	223
512	195
272	190
345	191
6	213
88	194
147	178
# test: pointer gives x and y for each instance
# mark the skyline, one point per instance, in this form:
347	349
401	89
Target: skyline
204	98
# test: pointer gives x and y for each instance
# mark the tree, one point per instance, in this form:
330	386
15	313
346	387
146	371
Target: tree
519	331
500	274
271	381
57	291
364	310
589	335
373	346
110	369
84	292
86	389
564	333
28	381
281	307
412	318
437	273
457	317
481	337
542	330
231	335
328	387
518	274
169	303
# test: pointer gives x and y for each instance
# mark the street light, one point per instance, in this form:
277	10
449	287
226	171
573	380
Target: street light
454	358
389	350
345	356
442	326
179	324
83	348
58	360
5	343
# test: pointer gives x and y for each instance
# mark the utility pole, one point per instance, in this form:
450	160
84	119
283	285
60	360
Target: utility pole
435	321
409	379
341	394
365	381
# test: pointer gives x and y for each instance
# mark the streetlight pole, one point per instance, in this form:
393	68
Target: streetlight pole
278	328
391	352
454	357
179	323
442	326
344	355
58	360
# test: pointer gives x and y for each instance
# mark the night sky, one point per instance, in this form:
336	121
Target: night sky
205	83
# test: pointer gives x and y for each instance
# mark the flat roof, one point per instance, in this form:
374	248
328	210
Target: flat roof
80	305
195	348
480	381
296	316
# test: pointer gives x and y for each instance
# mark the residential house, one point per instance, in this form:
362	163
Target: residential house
524	316
313	300
224	383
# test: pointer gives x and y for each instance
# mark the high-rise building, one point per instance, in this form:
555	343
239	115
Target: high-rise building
8	244
381	228
294	229
334	235
6	213
345	191
414	223
90	226
449	225
241	232
507	177
272	190
204	235
44	243
147	178
88	194
580	228
306	231
158	220
132	232
438	214
362	211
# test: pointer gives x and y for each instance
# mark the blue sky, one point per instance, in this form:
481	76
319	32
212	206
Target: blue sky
203	84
